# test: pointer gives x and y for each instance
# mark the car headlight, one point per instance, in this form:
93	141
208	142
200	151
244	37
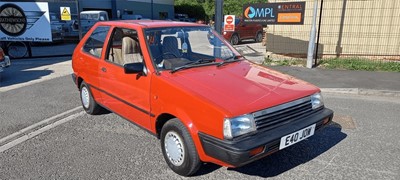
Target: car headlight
237	126
224	32
317	101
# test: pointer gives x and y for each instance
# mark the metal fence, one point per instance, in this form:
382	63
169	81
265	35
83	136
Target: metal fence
356	28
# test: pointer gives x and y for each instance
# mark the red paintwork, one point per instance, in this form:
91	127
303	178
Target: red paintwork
244	31
200	97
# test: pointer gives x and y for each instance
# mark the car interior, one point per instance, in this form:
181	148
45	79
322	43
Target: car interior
124	47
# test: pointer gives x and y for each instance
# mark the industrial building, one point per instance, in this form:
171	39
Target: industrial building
149	9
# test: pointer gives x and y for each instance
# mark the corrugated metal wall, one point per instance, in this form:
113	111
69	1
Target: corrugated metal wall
348	28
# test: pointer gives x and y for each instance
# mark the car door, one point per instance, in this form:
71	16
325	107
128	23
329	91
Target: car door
243	29
90	58
125	94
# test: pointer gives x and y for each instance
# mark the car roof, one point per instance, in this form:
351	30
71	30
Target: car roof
151	23
91	12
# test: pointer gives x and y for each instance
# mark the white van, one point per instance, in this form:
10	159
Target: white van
89	18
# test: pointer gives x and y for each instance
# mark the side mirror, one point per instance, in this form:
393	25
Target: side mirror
134	68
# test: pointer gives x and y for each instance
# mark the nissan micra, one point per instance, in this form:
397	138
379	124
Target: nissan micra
185	84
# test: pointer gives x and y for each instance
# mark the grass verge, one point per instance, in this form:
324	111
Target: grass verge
343	63
360	64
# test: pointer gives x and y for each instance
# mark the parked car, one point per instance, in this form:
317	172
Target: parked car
205	101
4	60
244	31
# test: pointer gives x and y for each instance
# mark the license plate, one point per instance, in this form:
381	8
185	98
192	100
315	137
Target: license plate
296	137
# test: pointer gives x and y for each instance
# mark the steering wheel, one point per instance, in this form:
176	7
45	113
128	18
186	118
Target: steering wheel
164	54
158	60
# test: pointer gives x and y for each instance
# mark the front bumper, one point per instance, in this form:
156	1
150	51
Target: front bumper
238	152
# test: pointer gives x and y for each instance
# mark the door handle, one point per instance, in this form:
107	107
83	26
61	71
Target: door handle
103	69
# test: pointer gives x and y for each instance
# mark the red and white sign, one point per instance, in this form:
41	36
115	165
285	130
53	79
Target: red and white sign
229	23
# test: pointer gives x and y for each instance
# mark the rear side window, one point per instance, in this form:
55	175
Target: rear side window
94	44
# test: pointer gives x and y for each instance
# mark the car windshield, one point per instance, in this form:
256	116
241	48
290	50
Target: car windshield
183	47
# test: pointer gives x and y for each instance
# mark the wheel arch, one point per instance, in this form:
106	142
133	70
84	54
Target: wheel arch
235	34
160	121
79	81
259	32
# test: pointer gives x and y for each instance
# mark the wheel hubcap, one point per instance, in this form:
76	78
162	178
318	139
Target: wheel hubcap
174	149
235	39
259	37
85	97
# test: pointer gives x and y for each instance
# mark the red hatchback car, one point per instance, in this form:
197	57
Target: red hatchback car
244	31
189	87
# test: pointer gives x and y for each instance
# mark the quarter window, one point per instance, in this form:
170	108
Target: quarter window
94	44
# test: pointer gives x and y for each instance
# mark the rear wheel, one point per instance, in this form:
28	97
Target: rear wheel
178	148
259	37
235	39
17	49
88	103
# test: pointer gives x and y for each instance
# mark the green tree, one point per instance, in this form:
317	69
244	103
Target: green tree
205	9
235	7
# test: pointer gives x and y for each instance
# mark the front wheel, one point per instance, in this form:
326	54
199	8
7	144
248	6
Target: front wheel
178	148
259	37
235	39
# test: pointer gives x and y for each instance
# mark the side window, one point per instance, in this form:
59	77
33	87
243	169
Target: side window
124	47
94	44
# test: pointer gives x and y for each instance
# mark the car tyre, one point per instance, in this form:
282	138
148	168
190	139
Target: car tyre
178	148
17	49
87	100
235	39
259	37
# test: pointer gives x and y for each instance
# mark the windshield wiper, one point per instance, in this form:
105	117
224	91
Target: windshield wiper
200	61
192	64
230	60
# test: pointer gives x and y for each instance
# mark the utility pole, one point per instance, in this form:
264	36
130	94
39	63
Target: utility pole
152	16
219	7
79	19
311	43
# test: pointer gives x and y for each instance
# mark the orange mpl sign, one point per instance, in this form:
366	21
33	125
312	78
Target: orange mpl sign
289	18
289	13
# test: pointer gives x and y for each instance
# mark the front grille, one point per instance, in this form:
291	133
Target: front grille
283	114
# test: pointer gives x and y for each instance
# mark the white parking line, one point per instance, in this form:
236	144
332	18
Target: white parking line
39	131
38	124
